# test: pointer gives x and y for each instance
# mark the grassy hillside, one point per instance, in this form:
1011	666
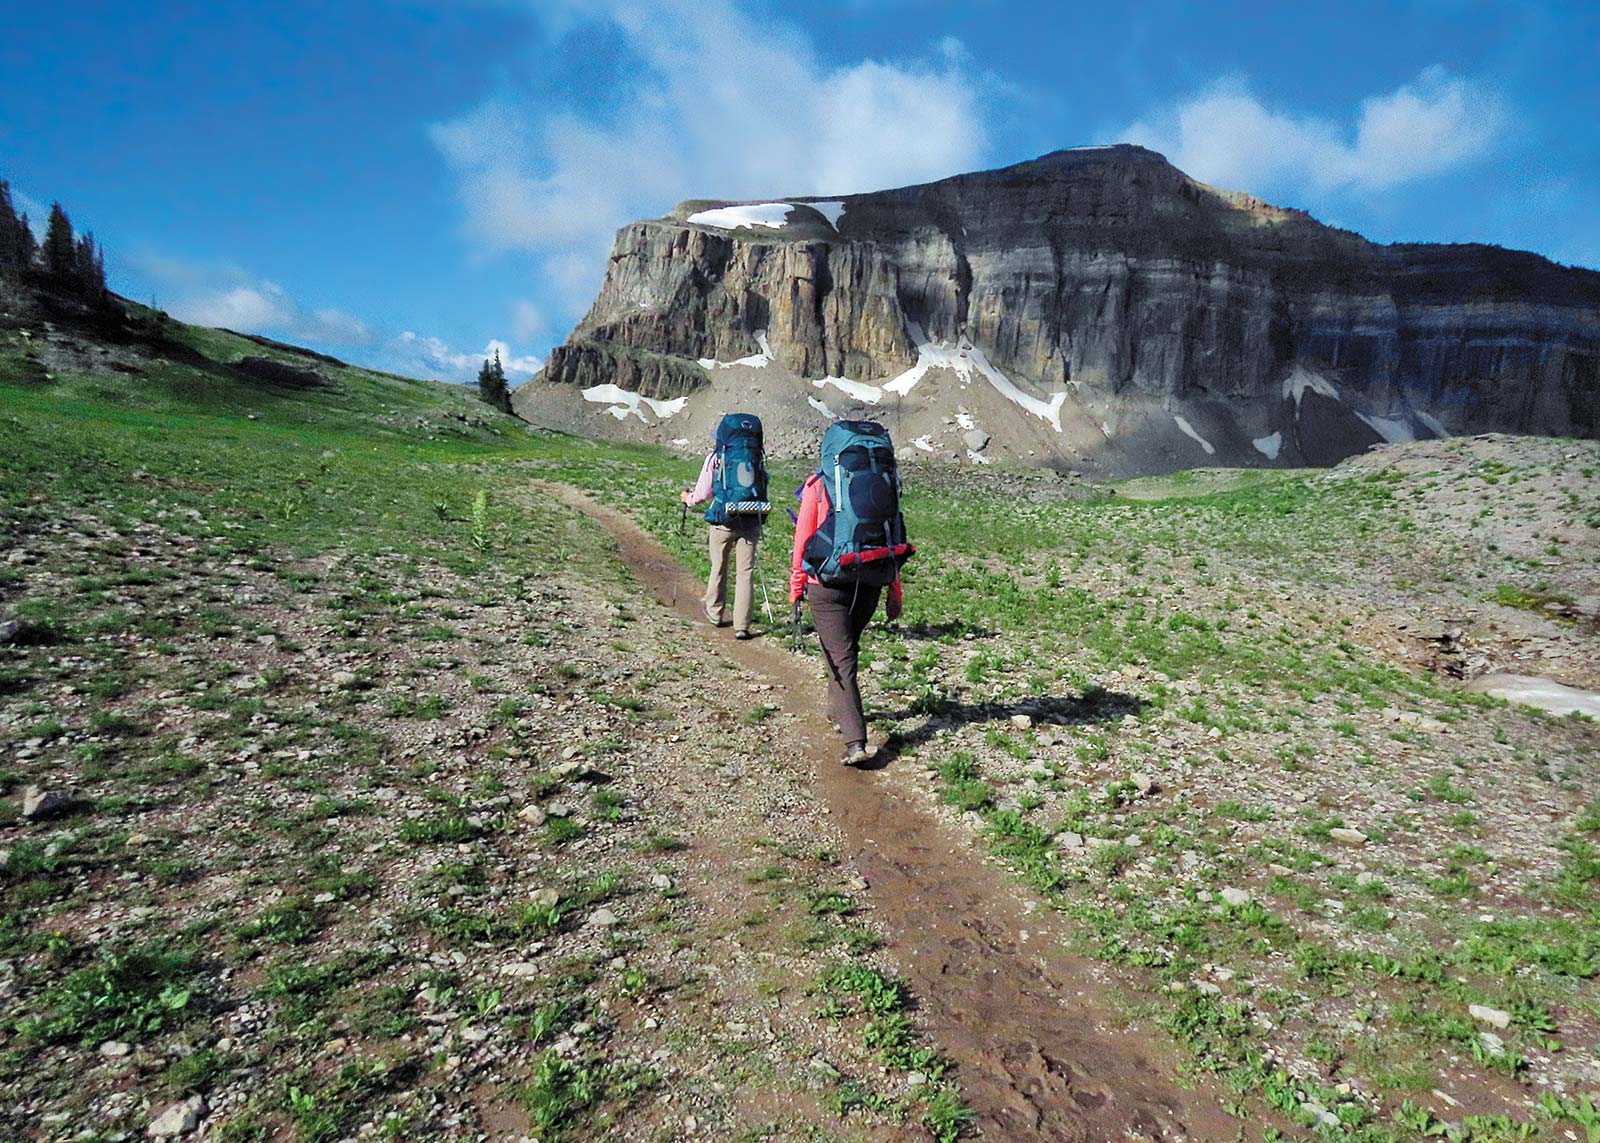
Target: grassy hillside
393	806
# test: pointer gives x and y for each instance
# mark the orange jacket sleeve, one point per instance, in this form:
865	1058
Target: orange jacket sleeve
813	511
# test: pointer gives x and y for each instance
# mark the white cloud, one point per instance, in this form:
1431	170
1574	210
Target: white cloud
416	355
527	322
720	105
1226	136
225	295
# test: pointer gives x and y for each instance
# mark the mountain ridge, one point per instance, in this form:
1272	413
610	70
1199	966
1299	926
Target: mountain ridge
1150	300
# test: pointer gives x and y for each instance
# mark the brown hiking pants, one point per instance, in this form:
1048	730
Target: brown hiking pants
741	539
840	615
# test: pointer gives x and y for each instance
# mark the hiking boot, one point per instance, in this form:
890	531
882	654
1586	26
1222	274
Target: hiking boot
744	634
855	754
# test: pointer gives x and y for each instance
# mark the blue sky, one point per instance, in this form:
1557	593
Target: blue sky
408	183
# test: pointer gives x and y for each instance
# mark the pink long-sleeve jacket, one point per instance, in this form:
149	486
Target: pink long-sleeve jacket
814	509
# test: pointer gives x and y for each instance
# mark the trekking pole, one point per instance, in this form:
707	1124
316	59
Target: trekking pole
799	642
766	600
677	567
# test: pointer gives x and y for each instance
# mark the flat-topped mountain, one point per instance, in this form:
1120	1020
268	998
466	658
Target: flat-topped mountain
1094	308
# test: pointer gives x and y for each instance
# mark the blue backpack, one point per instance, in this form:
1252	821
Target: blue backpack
739	481
863	540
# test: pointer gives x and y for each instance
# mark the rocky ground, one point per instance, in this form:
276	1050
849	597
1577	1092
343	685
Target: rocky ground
360	778
358	848
1225	735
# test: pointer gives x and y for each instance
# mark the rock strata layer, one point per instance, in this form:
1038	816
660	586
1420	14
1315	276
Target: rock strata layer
1108	274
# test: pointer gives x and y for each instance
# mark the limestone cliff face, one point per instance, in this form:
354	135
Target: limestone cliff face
1109	272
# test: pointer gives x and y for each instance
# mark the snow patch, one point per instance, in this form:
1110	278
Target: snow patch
963	357
1269	447
822	407
1105	429
859	390
829	210
623	404
754	361
1188	431
1301	380
924	442
1534	690
774	215
977	457
1395	430
1432	423
965	421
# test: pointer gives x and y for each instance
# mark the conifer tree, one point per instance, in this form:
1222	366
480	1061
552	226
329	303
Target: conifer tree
16	240
60	250
492	384
89	268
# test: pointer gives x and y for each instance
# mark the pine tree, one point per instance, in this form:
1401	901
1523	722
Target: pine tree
492	384
60	251
16	240
89	268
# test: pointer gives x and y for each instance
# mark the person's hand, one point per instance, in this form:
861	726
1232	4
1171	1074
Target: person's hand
684	496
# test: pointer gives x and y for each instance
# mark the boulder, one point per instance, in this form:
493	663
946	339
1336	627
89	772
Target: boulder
39	803
179	1118
284	373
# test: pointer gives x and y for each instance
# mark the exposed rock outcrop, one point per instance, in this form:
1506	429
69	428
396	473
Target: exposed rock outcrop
1185	324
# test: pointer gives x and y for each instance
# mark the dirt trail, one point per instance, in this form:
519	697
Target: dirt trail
1037	1046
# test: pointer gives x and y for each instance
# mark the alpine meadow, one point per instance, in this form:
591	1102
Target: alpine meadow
387	755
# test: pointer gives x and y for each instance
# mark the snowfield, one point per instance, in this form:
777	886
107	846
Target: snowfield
860	390
963	358
1269	446
755	361
774	215
1394	430
1188	430
622	404
1302	380
829	210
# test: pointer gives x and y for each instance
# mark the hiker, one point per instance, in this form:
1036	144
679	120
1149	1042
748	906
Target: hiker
849	543
734	480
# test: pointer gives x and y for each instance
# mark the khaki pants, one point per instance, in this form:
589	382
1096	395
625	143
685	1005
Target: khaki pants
742	539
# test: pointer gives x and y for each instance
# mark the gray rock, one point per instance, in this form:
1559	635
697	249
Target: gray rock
532	814
602	918
39	803
1352	837
975	439
1494	1017
1235	897
115	1049
281	373
179	1118
1144	783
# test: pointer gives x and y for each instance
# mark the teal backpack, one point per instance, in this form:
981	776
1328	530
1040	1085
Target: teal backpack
863	540
739	481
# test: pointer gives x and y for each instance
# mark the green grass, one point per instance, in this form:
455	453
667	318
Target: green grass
1009	601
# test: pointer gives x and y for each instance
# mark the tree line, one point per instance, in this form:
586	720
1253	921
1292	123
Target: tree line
73	263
